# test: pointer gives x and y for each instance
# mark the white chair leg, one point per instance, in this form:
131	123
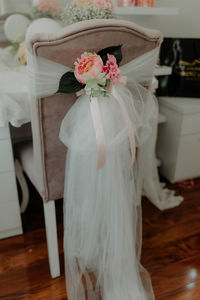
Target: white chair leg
52	239
23	184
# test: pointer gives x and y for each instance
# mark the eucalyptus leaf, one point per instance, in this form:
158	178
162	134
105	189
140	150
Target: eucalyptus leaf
115	50
69	84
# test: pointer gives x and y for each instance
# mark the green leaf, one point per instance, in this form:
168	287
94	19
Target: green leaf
115	50
69	84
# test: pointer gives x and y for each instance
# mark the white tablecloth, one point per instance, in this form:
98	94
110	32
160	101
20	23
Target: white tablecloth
14	93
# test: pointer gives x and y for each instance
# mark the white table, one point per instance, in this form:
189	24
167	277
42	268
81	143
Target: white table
14	108
10	219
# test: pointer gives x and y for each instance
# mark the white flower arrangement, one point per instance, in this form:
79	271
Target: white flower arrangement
80	10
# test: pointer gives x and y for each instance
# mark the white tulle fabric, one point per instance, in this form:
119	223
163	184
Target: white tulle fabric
102	215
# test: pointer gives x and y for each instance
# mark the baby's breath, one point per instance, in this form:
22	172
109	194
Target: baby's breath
75	13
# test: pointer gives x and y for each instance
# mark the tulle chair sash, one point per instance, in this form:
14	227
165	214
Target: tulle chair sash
44	75
44	78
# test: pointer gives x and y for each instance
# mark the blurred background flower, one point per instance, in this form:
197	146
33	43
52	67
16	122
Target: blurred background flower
79	10
21	54
46	9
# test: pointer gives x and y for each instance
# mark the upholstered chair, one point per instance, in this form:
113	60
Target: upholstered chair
43	160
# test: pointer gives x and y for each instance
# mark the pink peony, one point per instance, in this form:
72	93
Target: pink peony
104	4
89	65
48	5
111	69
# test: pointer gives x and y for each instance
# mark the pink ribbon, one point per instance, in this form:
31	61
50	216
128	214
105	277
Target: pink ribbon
99	132
122	80
80	93
98	126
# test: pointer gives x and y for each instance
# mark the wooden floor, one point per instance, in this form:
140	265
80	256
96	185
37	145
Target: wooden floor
171	252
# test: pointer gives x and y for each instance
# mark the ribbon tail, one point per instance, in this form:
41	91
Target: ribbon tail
129	126
99	132
123	80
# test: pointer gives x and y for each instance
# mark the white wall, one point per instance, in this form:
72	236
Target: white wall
9	6
186	24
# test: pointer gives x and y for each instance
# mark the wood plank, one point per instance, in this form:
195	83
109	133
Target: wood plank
171	251
175	277
189	292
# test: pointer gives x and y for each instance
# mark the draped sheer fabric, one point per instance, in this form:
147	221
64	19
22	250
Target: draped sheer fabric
102	209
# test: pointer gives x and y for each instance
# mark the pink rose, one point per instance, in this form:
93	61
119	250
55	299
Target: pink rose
89	65
111	69
104	4
51	5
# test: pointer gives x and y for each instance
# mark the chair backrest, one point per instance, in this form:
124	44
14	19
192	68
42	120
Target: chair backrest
47	113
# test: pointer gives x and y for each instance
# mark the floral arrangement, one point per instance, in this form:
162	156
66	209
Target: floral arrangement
15	44
80	10
94	72
46	9
18	49
21	54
